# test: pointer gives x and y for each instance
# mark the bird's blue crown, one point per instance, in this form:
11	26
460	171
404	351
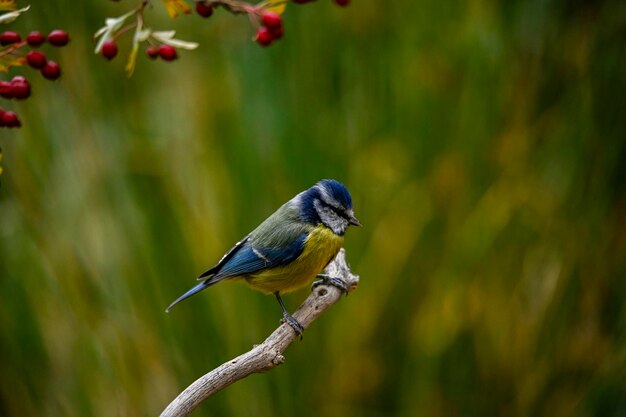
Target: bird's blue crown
332	189
337	191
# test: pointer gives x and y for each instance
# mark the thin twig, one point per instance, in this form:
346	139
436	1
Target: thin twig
268	354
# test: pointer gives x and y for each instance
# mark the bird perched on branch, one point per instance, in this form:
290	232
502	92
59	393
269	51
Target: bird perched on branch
290	247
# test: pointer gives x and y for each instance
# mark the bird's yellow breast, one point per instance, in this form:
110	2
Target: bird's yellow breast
320	247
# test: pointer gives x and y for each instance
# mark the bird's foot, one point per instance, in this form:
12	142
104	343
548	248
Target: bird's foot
293	322
334	281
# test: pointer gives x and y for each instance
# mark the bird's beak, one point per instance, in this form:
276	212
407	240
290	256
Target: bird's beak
354	221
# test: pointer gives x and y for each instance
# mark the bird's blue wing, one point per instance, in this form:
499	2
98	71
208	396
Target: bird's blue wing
229	255
249	259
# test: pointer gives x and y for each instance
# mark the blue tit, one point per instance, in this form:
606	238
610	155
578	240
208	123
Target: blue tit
290	248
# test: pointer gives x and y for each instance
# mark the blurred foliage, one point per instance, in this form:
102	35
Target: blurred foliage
484	143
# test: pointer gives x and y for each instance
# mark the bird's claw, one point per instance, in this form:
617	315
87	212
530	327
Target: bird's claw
294	323
334	281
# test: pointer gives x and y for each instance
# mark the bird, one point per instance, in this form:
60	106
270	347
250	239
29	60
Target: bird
289	248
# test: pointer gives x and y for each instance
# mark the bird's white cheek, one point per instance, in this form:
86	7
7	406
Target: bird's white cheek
330	219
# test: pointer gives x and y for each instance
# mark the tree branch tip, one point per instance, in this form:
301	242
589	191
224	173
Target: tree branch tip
279	359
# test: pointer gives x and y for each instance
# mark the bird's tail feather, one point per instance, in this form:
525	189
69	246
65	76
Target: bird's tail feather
192	291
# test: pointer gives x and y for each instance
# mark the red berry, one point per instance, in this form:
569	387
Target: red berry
152	52
20	88
8	37
167	52
58	38
277	32
109	50
35	38
21	91
6	89
204	9
342	3
264	36
51	70
36	59
10	119
271	19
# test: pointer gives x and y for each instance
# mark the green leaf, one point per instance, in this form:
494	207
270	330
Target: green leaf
140	35
111	25
9	62
276	6
176	7
167	37
11	16
7	5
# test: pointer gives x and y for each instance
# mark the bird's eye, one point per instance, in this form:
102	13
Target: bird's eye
339	212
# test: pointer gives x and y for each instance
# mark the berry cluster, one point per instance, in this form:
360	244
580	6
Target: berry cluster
164	51
19	87
271	28
264	16
159	44
269	24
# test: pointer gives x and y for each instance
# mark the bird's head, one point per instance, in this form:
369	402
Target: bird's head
327	202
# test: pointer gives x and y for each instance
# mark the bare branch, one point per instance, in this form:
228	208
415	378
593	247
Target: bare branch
268	354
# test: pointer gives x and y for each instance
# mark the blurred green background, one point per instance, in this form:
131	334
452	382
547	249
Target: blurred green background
484	143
